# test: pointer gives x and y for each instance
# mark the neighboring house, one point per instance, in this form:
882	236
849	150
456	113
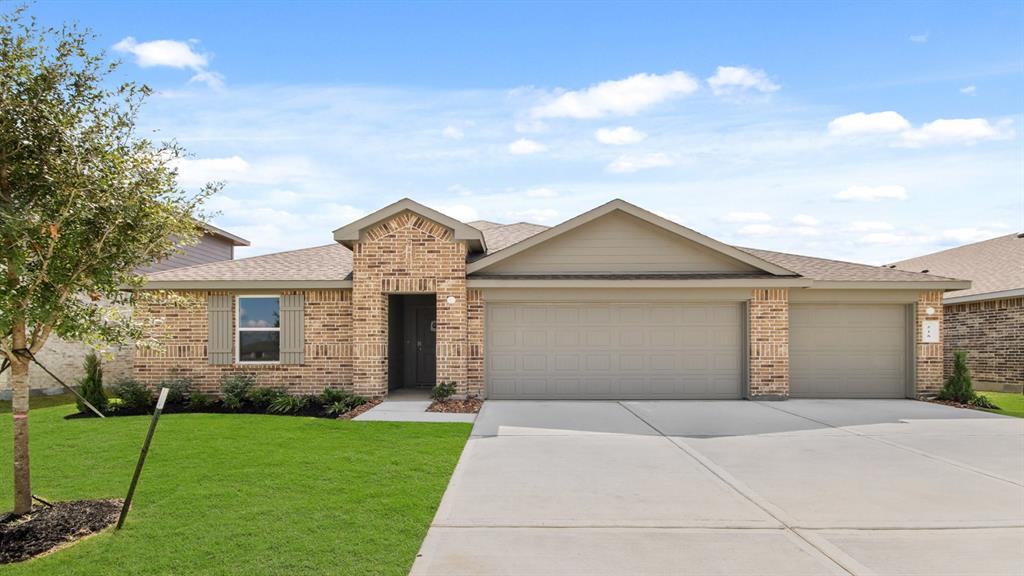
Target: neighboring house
65	358
615	303
987	319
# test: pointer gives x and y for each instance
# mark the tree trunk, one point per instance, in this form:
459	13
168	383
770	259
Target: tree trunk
19	410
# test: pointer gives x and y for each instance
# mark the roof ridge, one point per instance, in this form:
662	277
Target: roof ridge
960	247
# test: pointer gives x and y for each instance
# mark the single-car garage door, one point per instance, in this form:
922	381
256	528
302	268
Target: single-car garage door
848	351
614	351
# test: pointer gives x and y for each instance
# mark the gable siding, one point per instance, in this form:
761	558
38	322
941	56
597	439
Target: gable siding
618	243
209	249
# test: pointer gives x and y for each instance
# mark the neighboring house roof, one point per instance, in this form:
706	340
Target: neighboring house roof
995	268
235	240
331	265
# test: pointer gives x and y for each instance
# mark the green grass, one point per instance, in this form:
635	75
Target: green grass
241	494
1009	403
40	402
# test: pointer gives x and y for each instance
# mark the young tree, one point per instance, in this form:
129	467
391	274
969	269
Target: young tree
84	201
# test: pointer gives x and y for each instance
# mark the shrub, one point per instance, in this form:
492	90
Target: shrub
959	387
332	395
287	404
135	396
114	405
263	398
234	389
983	402
179	391
339	407
198	401
443	391
91	385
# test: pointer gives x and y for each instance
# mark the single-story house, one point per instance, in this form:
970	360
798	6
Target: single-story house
987	319
64	357
616	303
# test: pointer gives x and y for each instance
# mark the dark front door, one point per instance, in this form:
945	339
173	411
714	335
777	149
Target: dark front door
412	361
426	345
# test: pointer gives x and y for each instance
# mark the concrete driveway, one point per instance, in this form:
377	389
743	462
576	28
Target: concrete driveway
798	487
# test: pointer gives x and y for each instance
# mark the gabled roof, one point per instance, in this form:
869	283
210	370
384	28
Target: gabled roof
636	211
501	236
461	231
832	273
995	268
214	231
319	267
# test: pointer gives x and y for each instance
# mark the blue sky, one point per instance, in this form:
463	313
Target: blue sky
862	131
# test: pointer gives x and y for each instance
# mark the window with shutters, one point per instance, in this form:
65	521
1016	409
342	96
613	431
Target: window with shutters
258	330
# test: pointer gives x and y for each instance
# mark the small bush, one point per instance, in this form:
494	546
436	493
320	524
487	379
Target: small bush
91	385
263	398
959	387
234	389
198	401
339	407
114	405
135	396
981	401
287	404
332	395
179	390
443	391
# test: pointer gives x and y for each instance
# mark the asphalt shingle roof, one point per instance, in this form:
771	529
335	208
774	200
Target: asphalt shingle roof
995	265
334	262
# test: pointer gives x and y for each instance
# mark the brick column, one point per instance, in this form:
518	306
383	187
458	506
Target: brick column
475	343
928	357
769	344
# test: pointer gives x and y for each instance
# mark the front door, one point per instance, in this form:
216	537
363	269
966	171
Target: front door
426	345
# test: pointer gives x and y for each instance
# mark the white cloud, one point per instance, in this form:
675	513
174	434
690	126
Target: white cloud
531	127
872	193
965	235
919	38
525	146
886	238
805	220
958	130
875	123
969	90
627	164
452	133
538	215
747	217
619	136
195	172
759	230
619	97
172	54
869	226
461	212
541	193
729	79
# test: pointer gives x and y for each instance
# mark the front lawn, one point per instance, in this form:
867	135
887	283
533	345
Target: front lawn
241	494
1009	403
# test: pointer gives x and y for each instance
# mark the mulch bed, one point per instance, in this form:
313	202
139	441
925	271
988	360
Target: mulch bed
45	528
469	406
359	409
956	404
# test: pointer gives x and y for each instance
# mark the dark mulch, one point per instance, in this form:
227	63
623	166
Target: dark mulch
43	529
955	404
360	409
468	406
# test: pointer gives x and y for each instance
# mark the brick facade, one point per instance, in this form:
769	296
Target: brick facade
769	343
408	254
992	333
181	332
928	356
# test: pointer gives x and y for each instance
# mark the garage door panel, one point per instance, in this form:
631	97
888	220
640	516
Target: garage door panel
848	351
677	350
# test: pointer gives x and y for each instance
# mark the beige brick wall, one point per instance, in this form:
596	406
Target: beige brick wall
408	254
65	358
928	357
475	330
182	334
769	343
992	334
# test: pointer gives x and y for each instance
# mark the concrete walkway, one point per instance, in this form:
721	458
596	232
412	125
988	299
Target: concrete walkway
409	406
733	488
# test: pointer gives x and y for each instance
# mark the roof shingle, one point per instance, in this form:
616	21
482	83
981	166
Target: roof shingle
995	265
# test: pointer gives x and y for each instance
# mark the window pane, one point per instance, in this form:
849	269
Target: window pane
258	313
259	346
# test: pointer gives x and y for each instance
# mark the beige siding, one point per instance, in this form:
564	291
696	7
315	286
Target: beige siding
209	249
614	243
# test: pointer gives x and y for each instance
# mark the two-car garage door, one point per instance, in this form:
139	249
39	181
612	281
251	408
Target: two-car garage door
614	350
688	350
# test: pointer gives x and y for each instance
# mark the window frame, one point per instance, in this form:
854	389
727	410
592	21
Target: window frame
239	329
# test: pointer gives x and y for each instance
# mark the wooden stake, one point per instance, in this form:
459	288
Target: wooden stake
142	457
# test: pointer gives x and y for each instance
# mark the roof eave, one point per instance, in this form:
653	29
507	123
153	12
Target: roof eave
350	233
243	284
775	282
891	284
999	295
